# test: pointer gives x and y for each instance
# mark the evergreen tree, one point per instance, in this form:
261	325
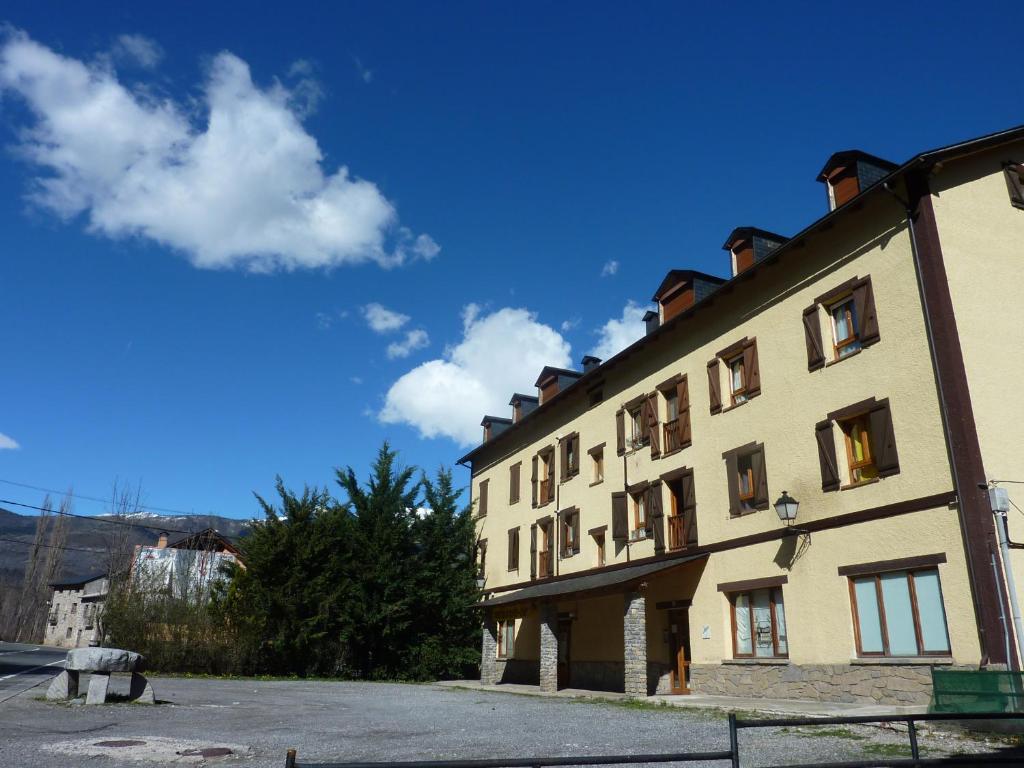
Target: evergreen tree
383	608
448	625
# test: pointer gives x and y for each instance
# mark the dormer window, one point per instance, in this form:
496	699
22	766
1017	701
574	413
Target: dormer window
848	173
749	245
680	290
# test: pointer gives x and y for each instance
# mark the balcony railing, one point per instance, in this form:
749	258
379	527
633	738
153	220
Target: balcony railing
672	441
676	532
547	491
544	564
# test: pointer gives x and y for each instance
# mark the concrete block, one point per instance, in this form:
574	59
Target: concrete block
141	690
98	684
104	660
63	687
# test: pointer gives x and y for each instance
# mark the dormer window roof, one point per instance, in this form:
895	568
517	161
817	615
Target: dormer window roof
494	426
850	172
553	380
749	245
680	290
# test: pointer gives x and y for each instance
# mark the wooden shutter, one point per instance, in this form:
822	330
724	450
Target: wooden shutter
513	549
620	432
683	408
513	483
812	336
533	551
883	442
732	474
651	409
575	468
620	517
483	496
864	307
1014	173
688	502
551	477
576	532
533	481
760	476
563	458
750	369
827	456
656	517
715	386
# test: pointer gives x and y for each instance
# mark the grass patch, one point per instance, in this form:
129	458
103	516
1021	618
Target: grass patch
829	733
887	750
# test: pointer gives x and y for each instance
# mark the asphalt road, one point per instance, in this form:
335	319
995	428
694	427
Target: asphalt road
336	721
26	666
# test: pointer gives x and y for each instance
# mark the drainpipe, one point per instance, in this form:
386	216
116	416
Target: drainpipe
1000	502
929	332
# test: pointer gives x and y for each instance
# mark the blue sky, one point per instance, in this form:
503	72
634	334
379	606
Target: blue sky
196	296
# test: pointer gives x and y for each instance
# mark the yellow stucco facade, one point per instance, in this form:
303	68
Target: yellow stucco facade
907	515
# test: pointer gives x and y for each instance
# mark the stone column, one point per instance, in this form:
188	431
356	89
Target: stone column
489	652
549	648
98	682
634	635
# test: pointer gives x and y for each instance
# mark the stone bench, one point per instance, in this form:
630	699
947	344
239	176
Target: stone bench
99	663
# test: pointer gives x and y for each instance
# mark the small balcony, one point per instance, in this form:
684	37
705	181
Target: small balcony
676	532
547	492
544	564
672	437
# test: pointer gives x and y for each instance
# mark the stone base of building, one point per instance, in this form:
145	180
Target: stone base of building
517	671
899	684
597	675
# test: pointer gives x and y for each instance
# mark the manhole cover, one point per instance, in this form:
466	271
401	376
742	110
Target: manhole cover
120	743
206	752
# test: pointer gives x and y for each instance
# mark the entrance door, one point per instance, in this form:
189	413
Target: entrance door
679	649
564	643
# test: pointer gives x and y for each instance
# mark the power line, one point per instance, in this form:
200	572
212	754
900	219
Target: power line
52	546
107	520
91	498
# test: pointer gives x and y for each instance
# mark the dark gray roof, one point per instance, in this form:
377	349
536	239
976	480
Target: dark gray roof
587	582
78	582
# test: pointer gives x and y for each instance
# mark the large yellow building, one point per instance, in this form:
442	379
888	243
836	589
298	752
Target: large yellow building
630	516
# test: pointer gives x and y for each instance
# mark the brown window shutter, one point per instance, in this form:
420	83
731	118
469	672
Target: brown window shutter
827	456
651	408
563	458
512	562
883	442
683	407
533	551
620	517
620	432
575	468
576	532
656	517
812	335
732	473
689	510
760	476
867	320
1014	173
551	477
483	497
533	481
750	368
715	386
513	483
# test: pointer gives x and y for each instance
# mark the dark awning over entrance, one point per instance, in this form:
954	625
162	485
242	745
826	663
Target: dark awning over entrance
593	582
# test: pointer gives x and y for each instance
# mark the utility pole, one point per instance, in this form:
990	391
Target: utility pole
999	500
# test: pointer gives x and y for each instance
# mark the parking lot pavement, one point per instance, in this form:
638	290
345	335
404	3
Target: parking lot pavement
26	666
336	721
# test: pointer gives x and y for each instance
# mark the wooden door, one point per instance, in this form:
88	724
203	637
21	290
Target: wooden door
679	649
564	646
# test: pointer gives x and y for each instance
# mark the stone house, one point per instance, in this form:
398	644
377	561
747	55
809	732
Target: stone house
75	610
781	489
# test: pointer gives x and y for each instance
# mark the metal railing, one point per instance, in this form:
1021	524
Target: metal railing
1015	756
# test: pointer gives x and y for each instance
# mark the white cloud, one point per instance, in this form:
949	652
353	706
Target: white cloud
568	325
383	320
8	443
415	339
499	354
139	50
618	333
610	268
365	74
242	185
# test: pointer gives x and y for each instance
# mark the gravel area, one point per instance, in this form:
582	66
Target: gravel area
329	721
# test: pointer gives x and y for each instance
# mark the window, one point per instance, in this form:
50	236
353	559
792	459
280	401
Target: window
676	392
599	542
74	608
1014	173
570	532
570	456
759	624
671	406
640	511
597	465
737	380
545	566
542	481
67	635
899	613
858	449
636	427
513	482
682	520
742	373
483	497
747	478
481	552
844	328
870	445
506	638
513	549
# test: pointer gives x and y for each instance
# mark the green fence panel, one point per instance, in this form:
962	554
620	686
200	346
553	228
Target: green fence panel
976	691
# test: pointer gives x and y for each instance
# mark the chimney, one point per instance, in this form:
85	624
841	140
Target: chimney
590	362
651	321
848	173
553	380
161	542
749	245
680	290
494	426
522	405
